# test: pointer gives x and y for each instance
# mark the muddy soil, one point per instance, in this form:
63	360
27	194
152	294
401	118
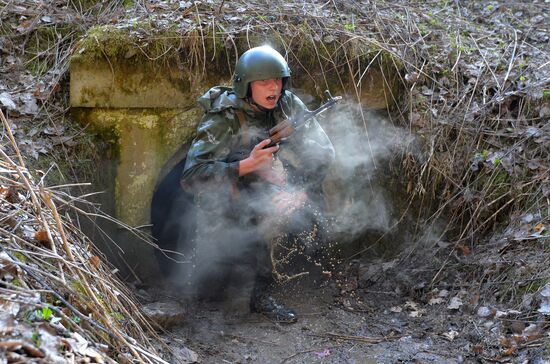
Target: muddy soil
325	333
334	326
368	312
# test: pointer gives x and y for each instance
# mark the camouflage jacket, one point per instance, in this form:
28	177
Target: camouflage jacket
221	142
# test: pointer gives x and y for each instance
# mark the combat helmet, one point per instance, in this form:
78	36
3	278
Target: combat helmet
259	63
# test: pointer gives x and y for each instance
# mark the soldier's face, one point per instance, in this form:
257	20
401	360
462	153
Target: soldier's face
266	93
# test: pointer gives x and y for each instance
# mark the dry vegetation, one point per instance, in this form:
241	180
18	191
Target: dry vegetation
53	282
475	81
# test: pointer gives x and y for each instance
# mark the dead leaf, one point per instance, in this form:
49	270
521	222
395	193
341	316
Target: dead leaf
427	91
505	342
412	77
534	337
95	261
54	130
485	312
323	354
451	335
435	301
8	311
527	218
442	244
56	88
6	100
455	303
518	339
532	132
8	269
443	293
187	355
545	300
8	222
539	228
42	238
12	196
396	309
415	310
417	313
510	351
416	120
33	351
463	249
30	106
474	299
532	165
532	329
65	345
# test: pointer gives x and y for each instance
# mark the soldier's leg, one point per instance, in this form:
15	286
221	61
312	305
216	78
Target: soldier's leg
261	300
210	268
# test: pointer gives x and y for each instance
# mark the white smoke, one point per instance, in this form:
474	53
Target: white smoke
355	194
358	191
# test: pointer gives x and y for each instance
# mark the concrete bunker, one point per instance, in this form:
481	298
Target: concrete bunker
144	107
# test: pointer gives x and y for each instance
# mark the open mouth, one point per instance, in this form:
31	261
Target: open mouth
271	98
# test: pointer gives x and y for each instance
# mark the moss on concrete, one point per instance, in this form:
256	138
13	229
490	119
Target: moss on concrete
139	44
199	53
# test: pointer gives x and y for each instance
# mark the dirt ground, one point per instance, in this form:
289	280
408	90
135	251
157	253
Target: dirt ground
359	316
325	333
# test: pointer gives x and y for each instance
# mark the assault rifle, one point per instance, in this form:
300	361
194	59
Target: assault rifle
285	128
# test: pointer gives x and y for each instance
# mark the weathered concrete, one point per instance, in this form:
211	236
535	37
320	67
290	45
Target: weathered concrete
145	140
122	85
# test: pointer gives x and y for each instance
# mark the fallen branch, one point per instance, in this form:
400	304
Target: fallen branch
362	339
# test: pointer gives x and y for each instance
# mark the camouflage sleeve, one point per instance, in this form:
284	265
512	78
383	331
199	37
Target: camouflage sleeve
208	161
310	152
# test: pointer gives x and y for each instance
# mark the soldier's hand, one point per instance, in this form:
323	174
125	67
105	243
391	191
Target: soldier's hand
259	158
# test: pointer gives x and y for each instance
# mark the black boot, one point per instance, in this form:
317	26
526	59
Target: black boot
267	306
260	300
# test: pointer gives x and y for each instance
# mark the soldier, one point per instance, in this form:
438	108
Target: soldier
237	181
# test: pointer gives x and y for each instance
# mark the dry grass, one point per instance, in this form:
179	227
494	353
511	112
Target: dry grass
49	254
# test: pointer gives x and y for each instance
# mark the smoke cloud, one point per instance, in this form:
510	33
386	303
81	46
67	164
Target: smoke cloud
231	226
359	193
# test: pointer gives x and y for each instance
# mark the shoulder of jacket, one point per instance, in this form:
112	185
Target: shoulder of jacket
292	103
217	99
219	121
